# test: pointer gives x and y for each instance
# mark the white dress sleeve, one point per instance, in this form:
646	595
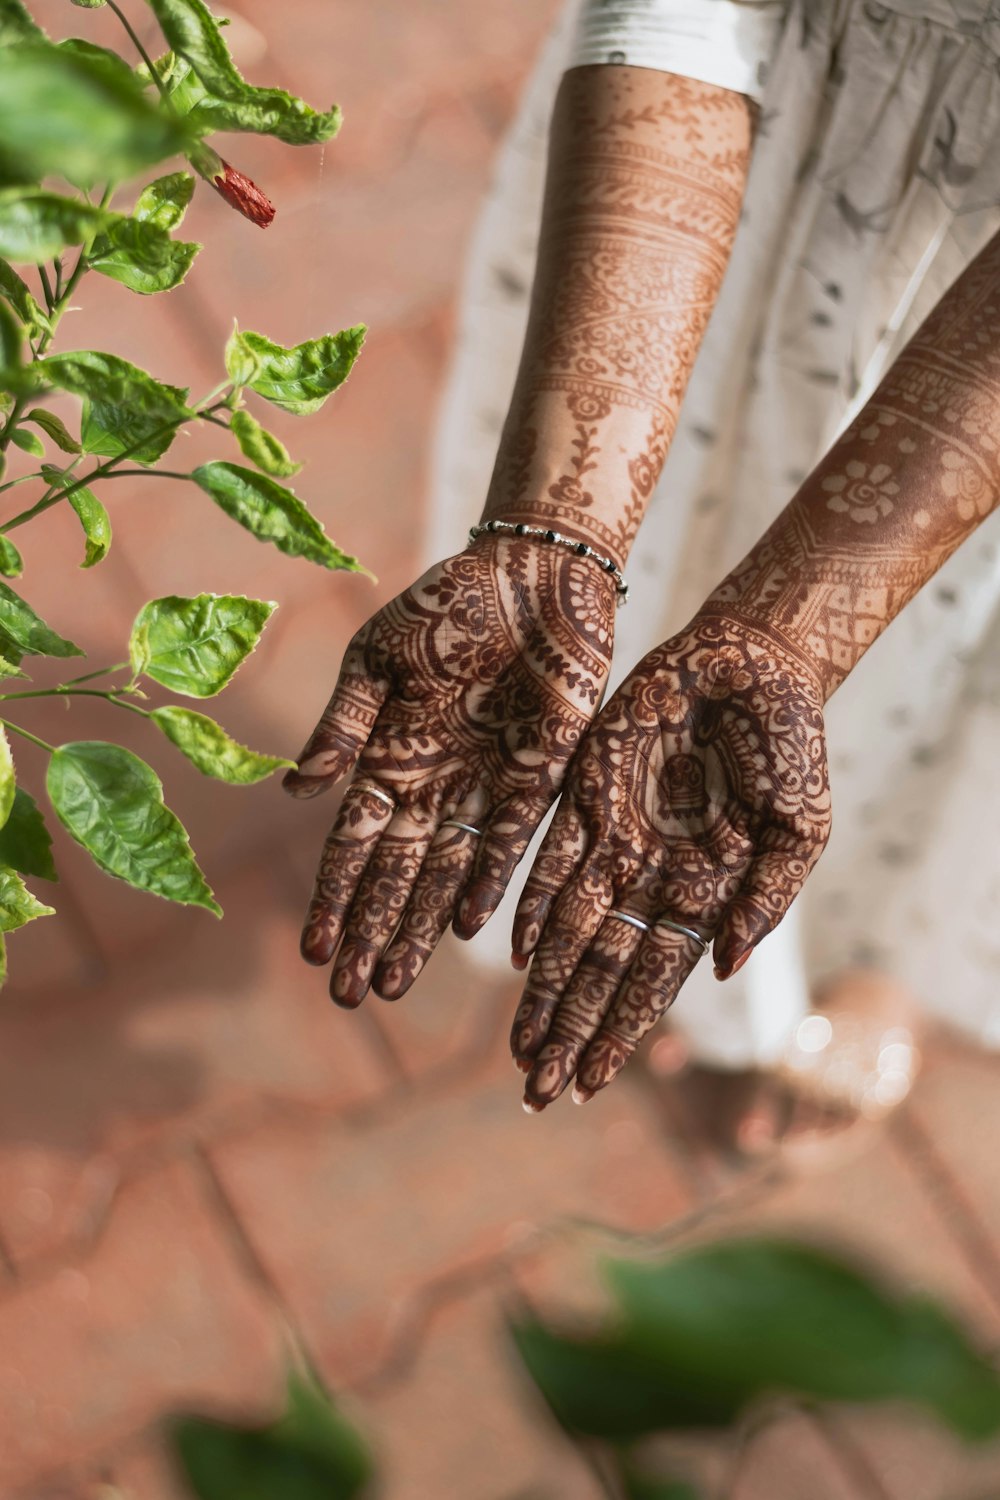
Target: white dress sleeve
725	42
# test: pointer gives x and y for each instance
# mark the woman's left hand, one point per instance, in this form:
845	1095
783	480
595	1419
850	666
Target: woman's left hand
700	796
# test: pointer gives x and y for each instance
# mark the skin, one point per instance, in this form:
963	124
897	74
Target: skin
466	696
701	792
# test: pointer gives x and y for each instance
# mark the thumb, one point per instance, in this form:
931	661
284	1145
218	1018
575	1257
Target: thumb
769	887
343	730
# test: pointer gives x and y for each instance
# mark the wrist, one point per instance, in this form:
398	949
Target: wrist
549	538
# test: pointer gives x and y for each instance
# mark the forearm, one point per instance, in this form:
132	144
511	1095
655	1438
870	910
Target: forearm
645	179
911	478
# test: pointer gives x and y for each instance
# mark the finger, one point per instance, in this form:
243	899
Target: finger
663	962
348	848
769	887
429	911
505	838
576	918
343	730
579	1015
379	902
556	862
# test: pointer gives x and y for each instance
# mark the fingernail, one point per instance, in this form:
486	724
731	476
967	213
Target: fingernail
521	1065
530	1107
519	961
734	968
581	1096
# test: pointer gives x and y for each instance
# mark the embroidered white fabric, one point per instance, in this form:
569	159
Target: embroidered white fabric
725	42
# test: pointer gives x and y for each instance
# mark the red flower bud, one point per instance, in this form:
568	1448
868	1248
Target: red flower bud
233	185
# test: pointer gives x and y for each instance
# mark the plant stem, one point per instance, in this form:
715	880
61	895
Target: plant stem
50	299
26	735
121	666
71	692
132	473
123	18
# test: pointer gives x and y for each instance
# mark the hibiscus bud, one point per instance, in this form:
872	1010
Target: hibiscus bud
233	185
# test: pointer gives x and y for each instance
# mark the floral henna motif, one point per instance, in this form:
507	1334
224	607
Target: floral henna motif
701	795
465	697
646	174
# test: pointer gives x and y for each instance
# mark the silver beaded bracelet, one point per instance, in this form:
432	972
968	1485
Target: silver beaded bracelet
540	534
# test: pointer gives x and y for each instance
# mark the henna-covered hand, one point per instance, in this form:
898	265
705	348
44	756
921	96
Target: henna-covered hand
699	795
464	698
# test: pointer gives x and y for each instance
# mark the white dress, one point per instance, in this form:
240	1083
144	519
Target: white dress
875	179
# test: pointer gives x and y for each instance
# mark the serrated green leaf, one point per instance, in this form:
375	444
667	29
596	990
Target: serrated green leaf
16	25
23	633
17	294
8	780
28	442
311	1453
124	409
25	842
232	103
96	525
36	225
11	562
164	202
271	513
55	427
68	111
142	256
241	363
103	57
90	4
193	646
300	379
17	905
111	802
262	447
208	746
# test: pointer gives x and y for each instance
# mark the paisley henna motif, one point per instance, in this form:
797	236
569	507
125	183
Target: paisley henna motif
463	698
700	795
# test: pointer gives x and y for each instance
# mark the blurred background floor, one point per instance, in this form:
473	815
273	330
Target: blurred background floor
201	1161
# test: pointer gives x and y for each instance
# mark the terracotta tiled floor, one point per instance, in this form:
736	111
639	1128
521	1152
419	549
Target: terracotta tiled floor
202	1164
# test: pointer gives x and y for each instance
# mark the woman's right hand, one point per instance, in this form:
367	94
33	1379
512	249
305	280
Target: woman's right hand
463	698
700	795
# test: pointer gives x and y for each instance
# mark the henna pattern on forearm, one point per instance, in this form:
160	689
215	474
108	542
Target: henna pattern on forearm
701	795
910	479
646	175
465	697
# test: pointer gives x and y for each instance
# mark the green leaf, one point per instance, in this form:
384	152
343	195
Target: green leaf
208	746
23	633
299	379
8	781
125	411
241	363
271	513
17	905
102	57
16	25
194	646
641	1486
96	525
311	1453
17	294
11	562
25	842
29	442
36	225
56	429
233	104
69	112
262	447
142	256
111	802
164	202
90	4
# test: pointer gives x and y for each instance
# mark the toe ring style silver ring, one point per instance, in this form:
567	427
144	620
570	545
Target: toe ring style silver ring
703	943
466	827
625	916
374	791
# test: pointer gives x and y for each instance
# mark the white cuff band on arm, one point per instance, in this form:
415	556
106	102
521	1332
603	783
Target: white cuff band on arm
724	42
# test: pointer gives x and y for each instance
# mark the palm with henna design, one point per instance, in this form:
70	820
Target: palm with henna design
700	795
463	698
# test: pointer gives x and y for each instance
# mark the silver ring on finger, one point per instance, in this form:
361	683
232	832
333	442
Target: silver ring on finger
374	790
626	916
703	943
465	827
